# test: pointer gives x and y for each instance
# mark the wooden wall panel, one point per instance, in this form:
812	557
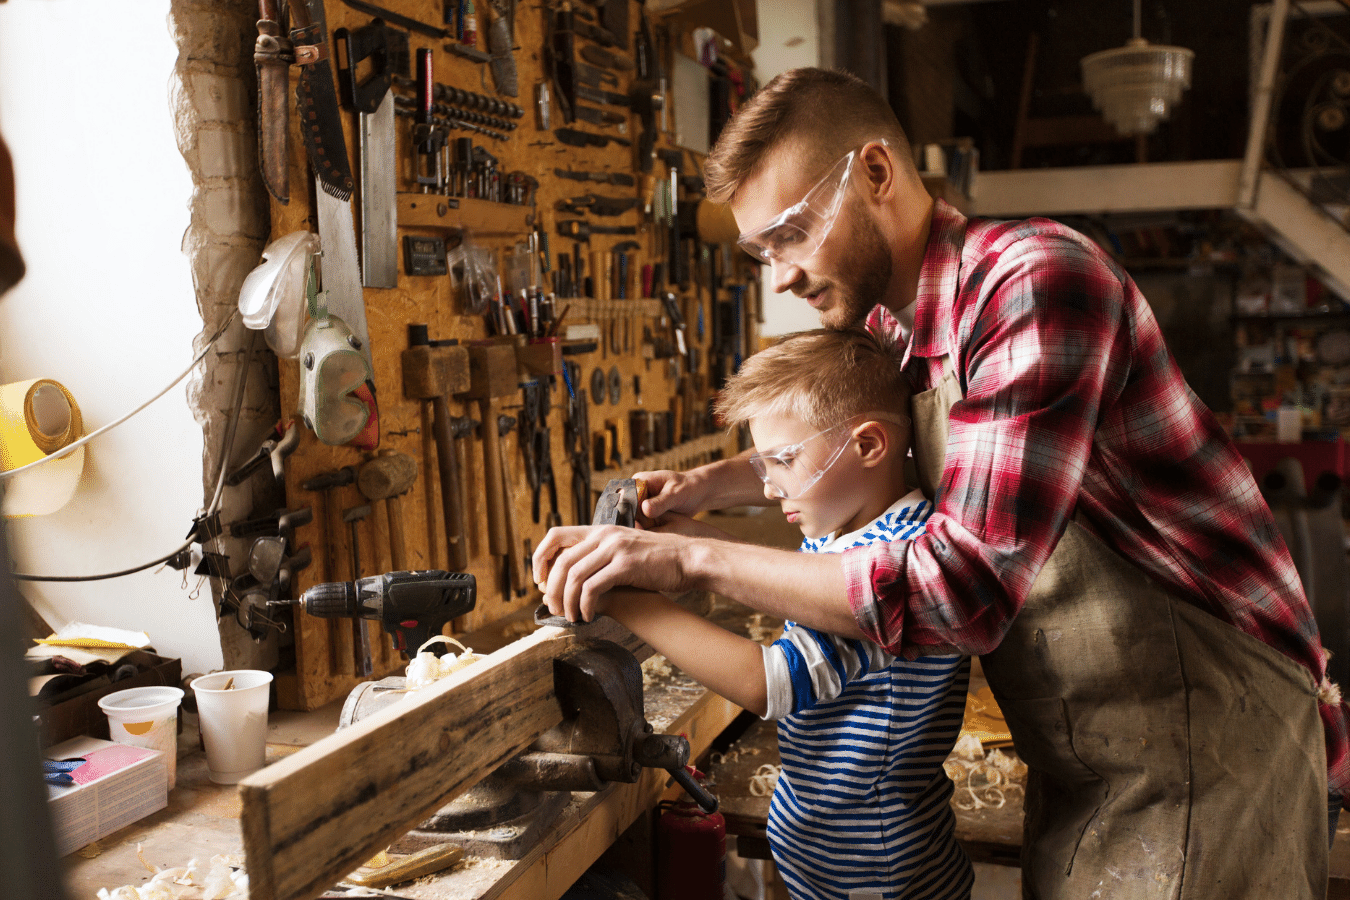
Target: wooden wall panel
323	649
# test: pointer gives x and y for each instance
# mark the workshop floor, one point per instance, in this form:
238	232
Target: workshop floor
996	883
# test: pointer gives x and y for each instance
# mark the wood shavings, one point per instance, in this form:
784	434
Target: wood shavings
721	759
765	779
90	851
378	861
654	667
756	630
425	668
223	878
983	780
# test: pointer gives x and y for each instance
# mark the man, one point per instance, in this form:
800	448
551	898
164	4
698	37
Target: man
1097	538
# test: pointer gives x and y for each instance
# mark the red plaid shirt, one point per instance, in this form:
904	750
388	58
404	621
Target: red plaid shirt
1073	405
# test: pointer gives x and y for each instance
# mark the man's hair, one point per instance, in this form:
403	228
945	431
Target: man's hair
823	377
826	112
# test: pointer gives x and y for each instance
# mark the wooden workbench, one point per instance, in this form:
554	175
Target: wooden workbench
202	819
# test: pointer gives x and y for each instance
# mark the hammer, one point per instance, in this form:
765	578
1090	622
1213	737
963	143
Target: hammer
515	563
323	484
492	375
361	650
433	371
387	477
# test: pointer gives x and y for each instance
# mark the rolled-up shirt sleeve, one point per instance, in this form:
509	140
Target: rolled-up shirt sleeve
1041	346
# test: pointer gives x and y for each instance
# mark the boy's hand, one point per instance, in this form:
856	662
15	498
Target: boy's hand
669	491
674	523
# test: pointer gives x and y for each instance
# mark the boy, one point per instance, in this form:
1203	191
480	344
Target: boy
861	810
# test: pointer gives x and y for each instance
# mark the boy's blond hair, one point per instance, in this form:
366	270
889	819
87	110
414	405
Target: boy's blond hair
823	377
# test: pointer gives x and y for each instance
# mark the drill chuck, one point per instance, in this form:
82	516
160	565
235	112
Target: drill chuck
333	600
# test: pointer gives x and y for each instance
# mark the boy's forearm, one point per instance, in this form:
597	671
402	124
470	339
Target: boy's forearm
726	663
739	485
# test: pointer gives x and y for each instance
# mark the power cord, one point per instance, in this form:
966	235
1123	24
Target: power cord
240	382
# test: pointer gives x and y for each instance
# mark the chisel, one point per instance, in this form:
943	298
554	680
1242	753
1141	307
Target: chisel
581	230
622	178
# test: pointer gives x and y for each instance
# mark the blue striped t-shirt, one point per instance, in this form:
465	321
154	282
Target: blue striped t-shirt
862	808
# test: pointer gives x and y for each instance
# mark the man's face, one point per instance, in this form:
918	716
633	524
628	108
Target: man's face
851	270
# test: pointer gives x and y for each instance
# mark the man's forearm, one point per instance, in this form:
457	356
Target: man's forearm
808	588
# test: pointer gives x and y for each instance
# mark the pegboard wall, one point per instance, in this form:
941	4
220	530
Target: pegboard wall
590	362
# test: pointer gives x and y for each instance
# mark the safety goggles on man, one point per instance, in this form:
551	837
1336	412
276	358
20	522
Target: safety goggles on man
795	234
792	470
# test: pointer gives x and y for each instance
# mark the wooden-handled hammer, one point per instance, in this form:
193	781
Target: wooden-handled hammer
387	477
433	373
492	375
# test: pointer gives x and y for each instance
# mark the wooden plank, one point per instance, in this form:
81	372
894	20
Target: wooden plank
1303	230
311	818
1149	187
479	216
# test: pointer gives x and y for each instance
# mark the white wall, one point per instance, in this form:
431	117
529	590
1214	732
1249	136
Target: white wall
789	36
107	308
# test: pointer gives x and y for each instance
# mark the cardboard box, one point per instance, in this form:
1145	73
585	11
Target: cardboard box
80	715
119	784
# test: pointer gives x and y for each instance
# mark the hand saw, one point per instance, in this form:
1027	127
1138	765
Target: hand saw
342	282
320	127
379	53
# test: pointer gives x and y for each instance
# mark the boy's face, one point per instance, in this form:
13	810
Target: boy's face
799	450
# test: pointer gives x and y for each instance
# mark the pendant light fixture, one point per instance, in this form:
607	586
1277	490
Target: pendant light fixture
1136	86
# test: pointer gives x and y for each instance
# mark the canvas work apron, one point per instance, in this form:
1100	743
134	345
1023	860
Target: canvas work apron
1170	754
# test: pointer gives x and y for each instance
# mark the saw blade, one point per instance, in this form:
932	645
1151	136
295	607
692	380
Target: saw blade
341	272
322	131
379	201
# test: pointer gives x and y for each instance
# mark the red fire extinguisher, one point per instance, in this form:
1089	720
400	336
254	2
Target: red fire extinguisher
691	851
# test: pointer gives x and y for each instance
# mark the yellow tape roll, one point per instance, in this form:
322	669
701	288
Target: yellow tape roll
37	418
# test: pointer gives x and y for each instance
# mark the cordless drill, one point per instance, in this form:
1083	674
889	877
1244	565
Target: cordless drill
412	606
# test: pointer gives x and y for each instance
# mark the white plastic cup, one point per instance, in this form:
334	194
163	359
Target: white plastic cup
146	717
233	722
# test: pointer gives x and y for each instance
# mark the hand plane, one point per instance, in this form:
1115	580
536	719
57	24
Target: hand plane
619	504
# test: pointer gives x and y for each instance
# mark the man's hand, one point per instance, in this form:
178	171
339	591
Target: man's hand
575	565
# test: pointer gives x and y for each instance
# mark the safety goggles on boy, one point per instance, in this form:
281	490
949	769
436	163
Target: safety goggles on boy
792	470
795	234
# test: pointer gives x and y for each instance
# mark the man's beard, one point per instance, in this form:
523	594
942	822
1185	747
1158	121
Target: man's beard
870	270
